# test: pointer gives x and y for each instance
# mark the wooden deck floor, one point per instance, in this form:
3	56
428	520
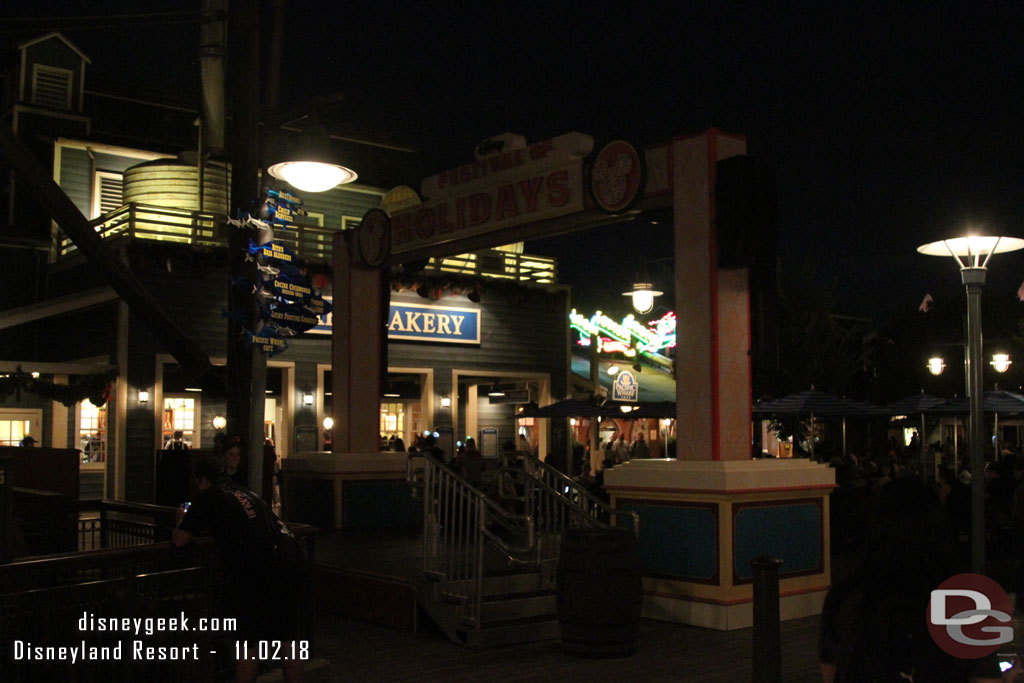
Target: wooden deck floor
358	651
361	651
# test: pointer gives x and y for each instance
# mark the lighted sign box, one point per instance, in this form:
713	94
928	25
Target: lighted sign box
426	322
443	324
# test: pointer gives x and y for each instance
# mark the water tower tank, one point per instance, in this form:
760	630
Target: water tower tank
174	183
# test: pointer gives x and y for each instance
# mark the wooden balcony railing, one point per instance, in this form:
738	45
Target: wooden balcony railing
163	224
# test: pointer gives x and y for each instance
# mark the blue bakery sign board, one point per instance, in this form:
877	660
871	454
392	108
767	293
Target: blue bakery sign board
625	387
419	322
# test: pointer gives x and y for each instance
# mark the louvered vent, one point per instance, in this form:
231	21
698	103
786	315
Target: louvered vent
51	87
109	192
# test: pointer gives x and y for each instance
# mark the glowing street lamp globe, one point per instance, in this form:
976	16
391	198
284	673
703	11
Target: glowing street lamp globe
643	294
1001	362
936	365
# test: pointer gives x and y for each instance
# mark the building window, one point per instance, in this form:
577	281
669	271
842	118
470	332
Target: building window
107	192
392	419
13	431
92	432
180	414
51	87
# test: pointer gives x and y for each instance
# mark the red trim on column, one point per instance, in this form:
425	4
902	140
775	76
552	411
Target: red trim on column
750	359
716	441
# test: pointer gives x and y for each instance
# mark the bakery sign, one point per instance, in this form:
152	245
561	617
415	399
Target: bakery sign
504	188
426	323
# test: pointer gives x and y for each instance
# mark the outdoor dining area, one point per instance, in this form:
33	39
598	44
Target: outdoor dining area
820	425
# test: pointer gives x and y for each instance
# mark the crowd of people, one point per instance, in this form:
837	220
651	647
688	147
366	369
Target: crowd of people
901	525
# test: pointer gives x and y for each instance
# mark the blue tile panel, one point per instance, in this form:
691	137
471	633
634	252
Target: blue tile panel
678	541
790	531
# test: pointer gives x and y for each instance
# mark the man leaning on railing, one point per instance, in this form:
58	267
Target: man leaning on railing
264	559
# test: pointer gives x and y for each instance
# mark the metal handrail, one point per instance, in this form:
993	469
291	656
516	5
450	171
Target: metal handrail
543	480
458	519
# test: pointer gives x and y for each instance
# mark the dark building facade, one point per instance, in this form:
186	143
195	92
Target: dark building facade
132	168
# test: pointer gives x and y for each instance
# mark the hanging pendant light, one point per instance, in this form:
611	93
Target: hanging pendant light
308	165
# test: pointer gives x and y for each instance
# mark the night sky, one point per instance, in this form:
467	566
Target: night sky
888	124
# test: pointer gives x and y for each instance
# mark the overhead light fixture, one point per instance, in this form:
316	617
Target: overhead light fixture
495	392
194	390
613	370
1001	362
643	294
308	165
143	396
219	422
328	422
936	365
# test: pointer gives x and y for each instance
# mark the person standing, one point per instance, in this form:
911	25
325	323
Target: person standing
254	545
620	449
176	442
472	462
640	448
234	467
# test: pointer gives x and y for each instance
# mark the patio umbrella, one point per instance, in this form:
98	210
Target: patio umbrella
653	409
810	403
571	408
996	401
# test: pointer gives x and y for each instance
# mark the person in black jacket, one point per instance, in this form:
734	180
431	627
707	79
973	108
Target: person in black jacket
250	539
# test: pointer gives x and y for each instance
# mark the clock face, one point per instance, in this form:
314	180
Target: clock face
374	237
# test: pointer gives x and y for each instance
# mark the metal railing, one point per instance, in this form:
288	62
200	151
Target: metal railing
555	502
43	601
521	513
47	523
166	224
460	522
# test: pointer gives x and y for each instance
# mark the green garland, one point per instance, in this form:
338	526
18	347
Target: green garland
95	387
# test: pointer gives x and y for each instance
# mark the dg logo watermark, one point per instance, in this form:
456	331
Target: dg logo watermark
969	616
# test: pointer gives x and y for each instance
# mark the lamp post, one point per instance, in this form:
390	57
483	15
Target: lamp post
972	254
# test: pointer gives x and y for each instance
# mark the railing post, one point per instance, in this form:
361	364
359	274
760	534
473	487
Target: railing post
103	524
767	648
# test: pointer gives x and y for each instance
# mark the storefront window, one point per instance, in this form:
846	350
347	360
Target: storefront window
92	432
392	419
13	431
180	414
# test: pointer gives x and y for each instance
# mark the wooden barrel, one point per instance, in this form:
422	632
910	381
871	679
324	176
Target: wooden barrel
599	593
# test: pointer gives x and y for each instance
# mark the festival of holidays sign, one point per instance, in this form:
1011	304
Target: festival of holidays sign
510	187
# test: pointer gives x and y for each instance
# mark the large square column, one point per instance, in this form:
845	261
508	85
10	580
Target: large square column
713	310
